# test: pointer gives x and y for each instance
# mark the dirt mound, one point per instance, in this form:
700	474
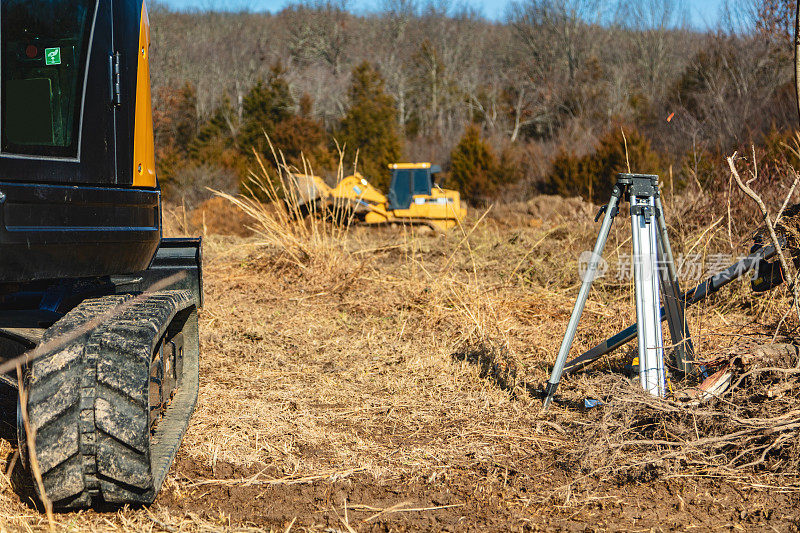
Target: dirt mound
218	216
544	209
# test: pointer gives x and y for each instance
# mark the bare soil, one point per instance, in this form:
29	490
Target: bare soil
465	501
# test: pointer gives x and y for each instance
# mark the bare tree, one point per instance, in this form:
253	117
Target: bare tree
445	68
651	31
394	48
319	31
556	29
552	41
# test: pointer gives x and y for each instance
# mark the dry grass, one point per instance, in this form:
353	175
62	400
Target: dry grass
358	378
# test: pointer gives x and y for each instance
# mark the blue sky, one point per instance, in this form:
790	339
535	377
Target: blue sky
703	12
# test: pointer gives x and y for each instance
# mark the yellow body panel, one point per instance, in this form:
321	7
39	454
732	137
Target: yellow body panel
441	210
442	205
144	159
378	215
355	187
409	166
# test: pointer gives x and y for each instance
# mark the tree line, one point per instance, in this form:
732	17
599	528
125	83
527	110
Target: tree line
535	102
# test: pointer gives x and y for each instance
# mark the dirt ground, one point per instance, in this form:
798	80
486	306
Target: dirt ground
388	381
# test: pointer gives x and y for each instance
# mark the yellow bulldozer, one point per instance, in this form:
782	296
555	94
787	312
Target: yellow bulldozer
414	198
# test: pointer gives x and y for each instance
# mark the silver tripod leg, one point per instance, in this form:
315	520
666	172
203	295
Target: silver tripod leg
674	305
648	302
583	295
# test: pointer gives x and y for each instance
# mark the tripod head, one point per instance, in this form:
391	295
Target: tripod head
632	186
638	185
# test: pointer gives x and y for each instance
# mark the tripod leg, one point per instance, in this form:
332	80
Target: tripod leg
673	301
583	295
648	302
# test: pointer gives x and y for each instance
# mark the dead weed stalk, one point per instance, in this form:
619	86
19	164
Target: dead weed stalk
791	279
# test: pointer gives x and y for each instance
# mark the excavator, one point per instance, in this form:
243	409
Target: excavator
98	312
414	198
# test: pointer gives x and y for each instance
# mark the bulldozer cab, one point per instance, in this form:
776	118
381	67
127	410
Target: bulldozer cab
409	180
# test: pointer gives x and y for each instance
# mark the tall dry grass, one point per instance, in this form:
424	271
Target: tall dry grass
281	218
318	239
495	293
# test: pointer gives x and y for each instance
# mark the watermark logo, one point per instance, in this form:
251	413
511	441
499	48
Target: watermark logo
591	266
690	267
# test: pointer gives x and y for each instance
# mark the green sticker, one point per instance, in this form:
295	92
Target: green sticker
52	56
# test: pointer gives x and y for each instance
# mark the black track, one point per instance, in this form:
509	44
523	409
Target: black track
89	399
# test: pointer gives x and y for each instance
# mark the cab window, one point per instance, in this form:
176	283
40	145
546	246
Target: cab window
400	193
422	181
43	59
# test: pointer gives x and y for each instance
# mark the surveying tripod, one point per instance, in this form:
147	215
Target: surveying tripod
654	272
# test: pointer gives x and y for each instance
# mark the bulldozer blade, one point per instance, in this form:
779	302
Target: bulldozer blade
308	189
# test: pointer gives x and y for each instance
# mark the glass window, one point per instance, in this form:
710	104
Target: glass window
400	194
44	52
422	181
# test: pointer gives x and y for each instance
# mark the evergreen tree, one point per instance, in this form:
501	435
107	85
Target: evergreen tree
475	170
301	136
216	132
215	143
175	126
263	108
593	176
370	126
175	118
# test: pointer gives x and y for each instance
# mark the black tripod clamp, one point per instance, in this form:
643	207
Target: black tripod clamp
641	186
638	185
618	192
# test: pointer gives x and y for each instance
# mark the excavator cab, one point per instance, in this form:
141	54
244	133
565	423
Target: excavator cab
78	191
41	63
97	309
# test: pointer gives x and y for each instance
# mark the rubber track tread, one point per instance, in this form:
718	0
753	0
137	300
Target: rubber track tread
55	404
93	403
124	461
